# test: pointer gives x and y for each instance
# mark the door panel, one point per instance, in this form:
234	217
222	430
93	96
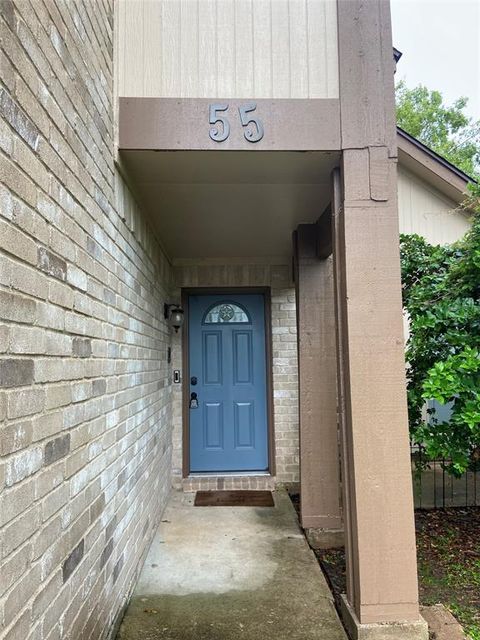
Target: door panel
244	425
213	425
212	357
242	357
227	356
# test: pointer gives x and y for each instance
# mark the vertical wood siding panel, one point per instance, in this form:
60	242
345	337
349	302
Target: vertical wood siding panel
262	49
121	37
317	59
407	186
170	65
243	48
331	49
189	48
427	212
299	62
225	48
228	48
280	49
134	48
152	29
207	39
404	205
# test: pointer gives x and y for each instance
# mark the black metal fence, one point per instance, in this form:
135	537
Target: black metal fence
435	488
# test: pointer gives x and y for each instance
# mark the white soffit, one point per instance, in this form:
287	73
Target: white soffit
220	204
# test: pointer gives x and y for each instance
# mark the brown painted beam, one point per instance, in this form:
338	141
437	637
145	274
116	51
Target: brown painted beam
324	234
377	485
319	455
171	123
376	461
366	74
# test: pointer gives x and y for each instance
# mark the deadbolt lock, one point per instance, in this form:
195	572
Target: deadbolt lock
193	400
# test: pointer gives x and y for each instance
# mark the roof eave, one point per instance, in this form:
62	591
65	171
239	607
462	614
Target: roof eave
431	167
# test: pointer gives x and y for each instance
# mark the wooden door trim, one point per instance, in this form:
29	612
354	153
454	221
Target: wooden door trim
186	293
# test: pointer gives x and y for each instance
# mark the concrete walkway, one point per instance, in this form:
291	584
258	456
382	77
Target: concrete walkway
229	573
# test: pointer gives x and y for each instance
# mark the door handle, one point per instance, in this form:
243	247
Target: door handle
193	400
193	381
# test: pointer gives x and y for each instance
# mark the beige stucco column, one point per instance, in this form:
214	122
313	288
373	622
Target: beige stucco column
381	553
319	453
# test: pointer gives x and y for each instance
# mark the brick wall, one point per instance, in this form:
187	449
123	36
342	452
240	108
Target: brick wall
284	366
85	399
285	384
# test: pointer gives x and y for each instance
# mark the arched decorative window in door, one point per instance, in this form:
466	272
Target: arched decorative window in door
226	312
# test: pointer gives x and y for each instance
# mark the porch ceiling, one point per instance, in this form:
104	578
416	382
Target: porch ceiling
230	204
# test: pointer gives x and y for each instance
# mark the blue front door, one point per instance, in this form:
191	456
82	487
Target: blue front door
227	361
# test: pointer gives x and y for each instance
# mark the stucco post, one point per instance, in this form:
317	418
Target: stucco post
319	454
381	553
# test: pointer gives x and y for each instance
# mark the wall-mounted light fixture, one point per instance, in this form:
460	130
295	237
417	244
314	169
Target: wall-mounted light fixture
174	314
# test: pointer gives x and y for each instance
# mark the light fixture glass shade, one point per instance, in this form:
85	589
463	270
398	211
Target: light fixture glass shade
176	318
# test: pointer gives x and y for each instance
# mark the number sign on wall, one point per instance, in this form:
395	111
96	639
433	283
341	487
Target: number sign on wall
221	125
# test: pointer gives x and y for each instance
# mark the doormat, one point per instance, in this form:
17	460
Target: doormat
234	499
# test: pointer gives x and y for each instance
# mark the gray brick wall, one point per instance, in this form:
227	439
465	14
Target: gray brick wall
85	395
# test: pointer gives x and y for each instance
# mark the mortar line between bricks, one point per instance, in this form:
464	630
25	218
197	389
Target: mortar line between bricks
93	30
107	40
40	500
64	88
106	178
71	287
72	195
110	237
37	503
67	429
78	56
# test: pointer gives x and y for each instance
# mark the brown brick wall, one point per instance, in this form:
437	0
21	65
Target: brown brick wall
85	395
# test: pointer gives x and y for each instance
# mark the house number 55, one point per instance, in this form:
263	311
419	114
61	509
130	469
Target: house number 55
221	130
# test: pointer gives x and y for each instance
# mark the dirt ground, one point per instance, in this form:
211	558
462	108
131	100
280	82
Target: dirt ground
448	551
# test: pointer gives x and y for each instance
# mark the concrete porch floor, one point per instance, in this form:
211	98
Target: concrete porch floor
224	573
